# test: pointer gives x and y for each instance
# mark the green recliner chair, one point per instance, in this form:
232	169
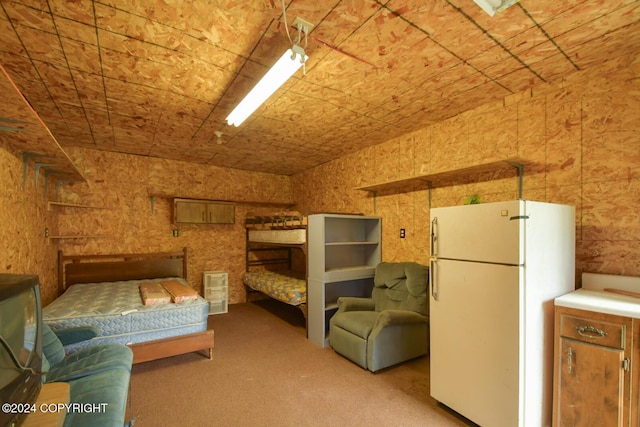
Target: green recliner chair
390	327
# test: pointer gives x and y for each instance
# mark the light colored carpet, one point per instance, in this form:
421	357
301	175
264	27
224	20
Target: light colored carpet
265	372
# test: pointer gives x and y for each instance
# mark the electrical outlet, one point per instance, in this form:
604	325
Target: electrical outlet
402	233
176	232
46	232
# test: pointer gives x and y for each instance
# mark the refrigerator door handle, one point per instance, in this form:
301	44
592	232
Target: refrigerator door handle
434	236
432	278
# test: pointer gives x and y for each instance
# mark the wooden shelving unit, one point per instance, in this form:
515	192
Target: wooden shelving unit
344	251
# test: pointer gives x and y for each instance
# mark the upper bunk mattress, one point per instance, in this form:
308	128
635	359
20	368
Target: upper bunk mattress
294	236
116	309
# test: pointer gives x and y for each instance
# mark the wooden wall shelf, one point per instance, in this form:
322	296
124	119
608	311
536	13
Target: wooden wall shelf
446	177
245	202
31	136
72	205
77	237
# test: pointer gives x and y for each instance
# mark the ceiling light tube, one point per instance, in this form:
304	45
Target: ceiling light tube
281	71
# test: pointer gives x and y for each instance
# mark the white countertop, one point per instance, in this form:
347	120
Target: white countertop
601	301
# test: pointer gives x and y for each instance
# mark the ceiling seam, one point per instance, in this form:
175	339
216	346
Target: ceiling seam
255	47
235	77
128	36
168	49
336	48
317	40
486	33
362	24
104	81
37	71
73	80
551	39
426	33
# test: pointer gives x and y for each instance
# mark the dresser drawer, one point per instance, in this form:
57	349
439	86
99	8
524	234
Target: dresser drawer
601	332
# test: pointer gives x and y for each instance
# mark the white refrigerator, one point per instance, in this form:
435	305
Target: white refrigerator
495	270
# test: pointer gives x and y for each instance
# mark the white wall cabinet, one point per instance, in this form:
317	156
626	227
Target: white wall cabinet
343	251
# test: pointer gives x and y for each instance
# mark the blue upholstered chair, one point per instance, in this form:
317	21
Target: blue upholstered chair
96	375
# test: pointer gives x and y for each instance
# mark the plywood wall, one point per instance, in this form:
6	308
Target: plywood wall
24	249
135	194
582	137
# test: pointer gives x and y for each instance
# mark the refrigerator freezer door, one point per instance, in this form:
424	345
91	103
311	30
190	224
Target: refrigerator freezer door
488	232
475	341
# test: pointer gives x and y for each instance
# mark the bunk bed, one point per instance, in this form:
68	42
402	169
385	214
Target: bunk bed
104	291
276	248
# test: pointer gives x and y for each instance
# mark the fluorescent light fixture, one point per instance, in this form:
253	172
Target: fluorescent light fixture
281	71
493	6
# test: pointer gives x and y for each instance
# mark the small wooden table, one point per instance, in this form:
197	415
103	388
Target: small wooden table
50	394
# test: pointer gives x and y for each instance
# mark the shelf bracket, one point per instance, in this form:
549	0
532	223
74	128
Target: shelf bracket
25	165
520	169
152	202
42	165
375	202
59	183
52	172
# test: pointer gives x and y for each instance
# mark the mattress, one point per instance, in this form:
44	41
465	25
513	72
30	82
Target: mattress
292	236
288	289
116	309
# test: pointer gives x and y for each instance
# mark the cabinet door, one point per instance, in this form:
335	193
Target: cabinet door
591	385
190	212
220	213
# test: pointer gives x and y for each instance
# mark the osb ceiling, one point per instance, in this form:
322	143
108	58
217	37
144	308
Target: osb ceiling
157	78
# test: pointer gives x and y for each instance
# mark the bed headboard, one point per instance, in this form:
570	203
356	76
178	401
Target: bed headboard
74	269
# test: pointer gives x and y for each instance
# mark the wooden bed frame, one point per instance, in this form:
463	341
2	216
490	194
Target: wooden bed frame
73	269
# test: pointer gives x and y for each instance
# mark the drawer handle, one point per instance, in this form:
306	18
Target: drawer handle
591	332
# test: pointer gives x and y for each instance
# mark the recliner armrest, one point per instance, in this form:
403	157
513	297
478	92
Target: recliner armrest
399	317
73	335
355	304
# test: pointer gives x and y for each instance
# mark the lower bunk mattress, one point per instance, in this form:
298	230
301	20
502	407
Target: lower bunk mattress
286	288
116	309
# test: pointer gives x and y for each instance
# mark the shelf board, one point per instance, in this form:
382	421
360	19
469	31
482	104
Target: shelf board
349	273
76	237
73	205
242	202
31	137
350	243
444	178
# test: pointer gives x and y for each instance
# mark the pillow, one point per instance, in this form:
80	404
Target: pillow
179	292
154	293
